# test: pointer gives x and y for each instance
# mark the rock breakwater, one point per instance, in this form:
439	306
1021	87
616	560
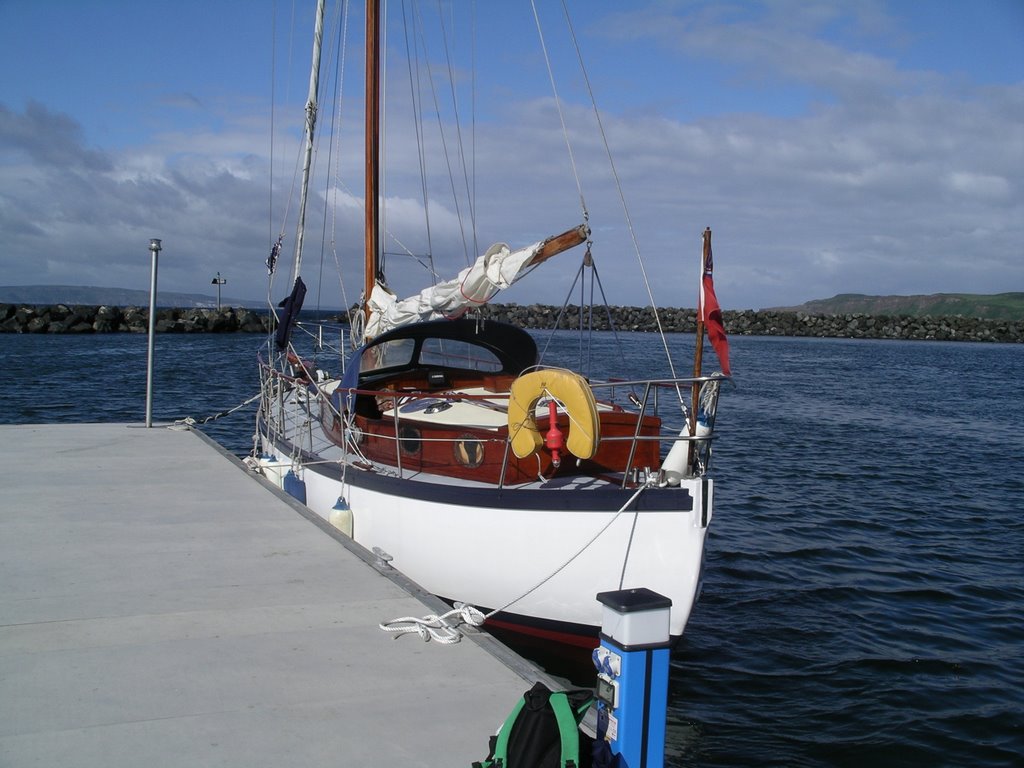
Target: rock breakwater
62	318
749	322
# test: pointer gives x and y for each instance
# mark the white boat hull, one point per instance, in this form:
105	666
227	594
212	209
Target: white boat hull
539	556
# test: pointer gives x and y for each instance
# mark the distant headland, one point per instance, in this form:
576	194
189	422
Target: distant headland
997	306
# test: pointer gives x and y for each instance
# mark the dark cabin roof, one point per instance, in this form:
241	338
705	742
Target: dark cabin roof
514	347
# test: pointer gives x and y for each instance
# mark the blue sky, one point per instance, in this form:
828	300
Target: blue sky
869	147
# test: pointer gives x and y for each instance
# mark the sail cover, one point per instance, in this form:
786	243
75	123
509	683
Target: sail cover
477	284
291	307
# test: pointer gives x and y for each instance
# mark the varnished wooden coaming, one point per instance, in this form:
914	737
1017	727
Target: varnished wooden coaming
452	450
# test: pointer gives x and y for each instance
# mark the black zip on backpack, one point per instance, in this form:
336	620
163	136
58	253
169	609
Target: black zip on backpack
542	731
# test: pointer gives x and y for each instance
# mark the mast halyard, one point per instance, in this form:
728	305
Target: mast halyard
372	138
487	275
311	109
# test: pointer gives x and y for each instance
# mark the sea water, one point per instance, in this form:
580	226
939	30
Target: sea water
864	579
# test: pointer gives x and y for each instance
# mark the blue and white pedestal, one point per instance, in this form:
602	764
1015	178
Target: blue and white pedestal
632	674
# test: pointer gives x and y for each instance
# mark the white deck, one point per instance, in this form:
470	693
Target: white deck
160	606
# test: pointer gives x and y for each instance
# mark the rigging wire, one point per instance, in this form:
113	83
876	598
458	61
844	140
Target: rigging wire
272	261
444	145
458	132
382	177
339	187
561	116
276	249
312	108
338	26
595	279
472	135
588	259
416	99
618	187
336	126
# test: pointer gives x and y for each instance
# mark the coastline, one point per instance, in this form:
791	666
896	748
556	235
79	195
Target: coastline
63	318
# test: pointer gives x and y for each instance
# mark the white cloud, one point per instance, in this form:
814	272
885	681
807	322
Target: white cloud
876	178
979	185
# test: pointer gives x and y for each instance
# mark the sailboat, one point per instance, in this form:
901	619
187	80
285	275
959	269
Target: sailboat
488	478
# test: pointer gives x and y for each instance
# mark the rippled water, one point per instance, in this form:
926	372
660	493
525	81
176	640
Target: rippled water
863	591
864	584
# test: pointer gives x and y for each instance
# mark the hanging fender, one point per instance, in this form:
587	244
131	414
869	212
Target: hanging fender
573	392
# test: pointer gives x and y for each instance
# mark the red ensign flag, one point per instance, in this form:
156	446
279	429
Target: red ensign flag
711	314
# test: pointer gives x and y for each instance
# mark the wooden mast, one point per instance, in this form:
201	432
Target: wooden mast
371	195
371	257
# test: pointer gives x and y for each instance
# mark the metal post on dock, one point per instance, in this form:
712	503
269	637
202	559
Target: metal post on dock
154	248
632	675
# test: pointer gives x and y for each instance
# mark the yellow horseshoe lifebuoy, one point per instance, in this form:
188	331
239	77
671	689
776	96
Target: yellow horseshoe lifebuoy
573	392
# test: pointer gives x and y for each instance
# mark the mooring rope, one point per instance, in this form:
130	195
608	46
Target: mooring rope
189	422
434	627
438	628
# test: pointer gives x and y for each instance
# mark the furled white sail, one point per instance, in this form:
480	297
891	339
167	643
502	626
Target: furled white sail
498	268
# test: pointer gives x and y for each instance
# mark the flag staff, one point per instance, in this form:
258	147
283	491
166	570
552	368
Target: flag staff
698	353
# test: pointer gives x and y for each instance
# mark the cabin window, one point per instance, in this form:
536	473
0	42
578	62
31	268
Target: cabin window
450	353
390	354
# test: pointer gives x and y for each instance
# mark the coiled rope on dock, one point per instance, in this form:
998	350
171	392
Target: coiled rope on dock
437	628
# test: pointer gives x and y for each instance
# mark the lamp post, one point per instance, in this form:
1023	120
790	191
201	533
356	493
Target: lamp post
218	281
154	248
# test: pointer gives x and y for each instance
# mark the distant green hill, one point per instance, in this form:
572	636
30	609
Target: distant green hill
998	306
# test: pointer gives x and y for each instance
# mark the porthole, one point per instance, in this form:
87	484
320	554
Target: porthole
469	452
409	440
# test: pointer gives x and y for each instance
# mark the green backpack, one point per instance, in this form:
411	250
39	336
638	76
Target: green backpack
542	731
